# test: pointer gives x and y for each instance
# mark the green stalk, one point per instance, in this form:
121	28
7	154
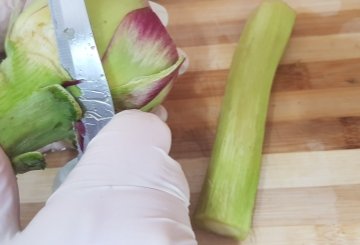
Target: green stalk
229	192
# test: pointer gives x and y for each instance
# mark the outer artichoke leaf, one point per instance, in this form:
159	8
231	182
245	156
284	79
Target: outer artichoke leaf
53	111
24	73
142	90
33	32
160	97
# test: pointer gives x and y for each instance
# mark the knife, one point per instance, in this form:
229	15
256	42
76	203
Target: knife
80	58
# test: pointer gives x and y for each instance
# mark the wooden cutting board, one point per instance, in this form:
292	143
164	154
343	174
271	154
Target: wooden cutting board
309	191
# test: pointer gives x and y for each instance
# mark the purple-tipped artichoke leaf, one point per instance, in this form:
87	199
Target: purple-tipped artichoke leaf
142	90
139	59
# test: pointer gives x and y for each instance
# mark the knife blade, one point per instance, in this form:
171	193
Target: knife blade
80	58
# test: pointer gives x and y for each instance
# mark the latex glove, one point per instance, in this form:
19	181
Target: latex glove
125	190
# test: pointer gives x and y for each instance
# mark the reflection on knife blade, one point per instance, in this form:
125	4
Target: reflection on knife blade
79	56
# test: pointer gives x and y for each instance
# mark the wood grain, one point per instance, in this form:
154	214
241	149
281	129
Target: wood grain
301	50
290	77
228	32
309	190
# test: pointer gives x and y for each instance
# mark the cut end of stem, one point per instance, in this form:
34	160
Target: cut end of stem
221	228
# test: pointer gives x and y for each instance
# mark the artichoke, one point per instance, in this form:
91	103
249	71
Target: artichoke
38	102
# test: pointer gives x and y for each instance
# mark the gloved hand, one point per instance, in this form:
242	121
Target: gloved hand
125	190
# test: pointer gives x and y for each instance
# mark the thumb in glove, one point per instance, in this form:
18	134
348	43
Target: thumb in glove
125	190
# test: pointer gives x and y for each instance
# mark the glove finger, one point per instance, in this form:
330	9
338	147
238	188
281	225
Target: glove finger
132	150
161	12
137	129
9	200
161	112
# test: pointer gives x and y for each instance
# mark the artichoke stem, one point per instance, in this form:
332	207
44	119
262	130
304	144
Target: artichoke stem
229	192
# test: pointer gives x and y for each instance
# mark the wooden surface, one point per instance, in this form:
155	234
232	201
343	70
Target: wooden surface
309	191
